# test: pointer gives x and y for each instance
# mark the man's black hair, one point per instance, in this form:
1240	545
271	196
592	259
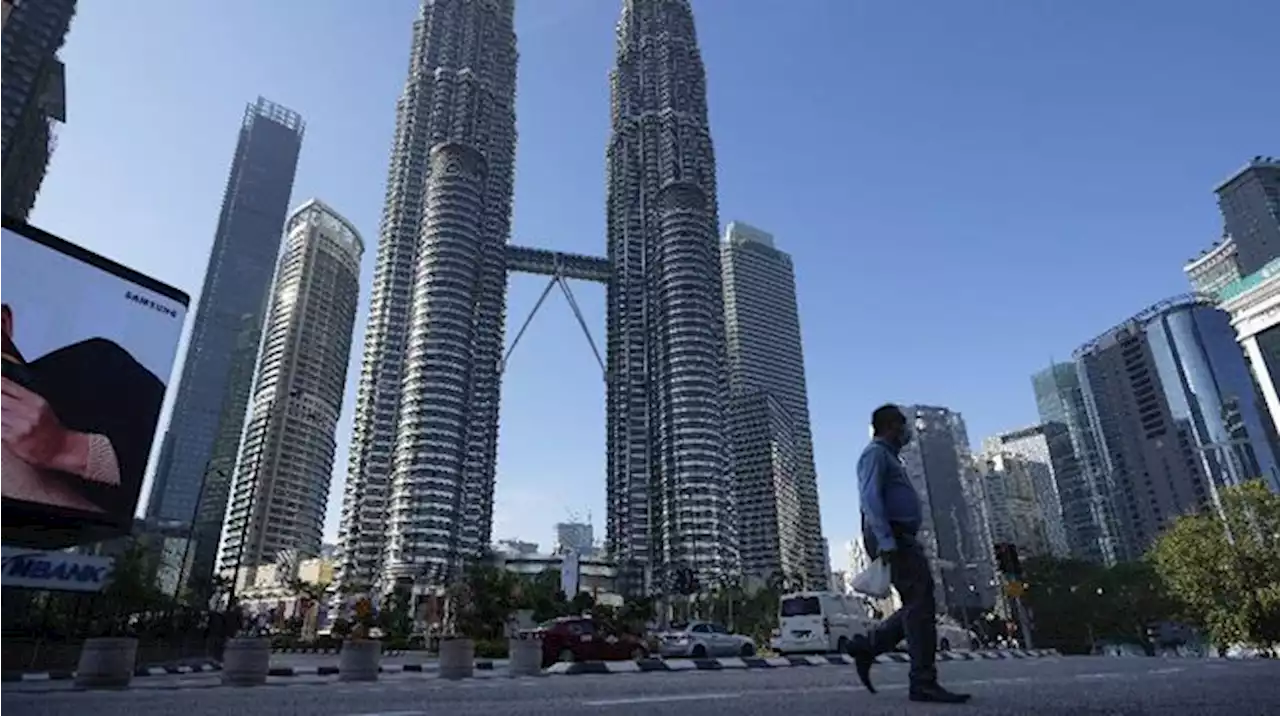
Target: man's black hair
886	417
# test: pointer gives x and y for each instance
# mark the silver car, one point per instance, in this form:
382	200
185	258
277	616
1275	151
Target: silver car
700	640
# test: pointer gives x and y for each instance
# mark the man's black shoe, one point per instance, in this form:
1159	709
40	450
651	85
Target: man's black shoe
863	659
936	694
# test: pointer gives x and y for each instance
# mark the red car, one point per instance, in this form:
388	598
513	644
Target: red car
582	639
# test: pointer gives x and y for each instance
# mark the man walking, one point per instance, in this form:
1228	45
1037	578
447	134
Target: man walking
891	517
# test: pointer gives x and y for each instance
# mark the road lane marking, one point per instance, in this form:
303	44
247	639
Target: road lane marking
663	699
1169	670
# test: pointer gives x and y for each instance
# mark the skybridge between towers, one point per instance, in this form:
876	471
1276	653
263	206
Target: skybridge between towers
560	267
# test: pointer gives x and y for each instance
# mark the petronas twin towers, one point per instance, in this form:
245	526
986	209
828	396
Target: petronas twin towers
419	494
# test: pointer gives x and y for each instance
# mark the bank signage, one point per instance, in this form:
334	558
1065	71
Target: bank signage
61	571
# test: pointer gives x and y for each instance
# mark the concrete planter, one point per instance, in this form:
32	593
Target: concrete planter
245	661
107	663
525	656
457	658
359	660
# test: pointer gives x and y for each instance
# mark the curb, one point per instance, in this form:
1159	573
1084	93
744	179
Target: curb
389	669
326	651
11	677
776	662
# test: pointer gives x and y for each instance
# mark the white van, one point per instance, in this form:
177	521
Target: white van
819	622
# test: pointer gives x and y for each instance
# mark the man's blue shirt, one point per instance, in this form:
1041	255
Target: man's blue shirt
886	493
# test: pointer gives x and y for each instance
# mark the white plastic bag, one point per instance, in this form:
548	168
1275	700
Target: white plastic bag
874	580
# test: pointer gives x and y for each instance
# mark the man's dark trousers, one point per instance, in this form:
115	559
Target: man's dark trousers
916	620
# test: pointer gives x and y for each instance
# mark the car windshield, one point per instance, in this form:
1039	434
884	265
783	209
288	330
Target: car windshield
800	607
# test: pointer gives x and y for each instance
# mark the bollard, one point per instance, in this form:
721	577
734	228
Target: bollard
107	663
359	660
457	658
245	661
525	656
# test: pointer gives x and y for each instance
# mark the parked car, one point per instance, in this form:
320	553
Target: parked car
703	639
819	622
950	636
582	639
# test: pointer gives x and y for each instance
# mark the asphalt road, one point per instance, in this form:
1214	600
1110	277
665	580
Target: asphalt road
1075	686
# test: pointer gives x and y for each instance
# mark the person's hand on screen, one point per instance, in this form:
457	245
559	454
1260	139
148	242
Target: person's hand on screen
31	430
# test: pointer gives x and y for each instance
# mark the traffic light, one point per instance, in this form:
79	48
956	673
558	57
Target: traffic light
1007	559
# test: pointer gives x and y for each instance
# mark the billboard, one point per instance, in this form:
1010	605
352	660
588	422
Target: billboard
88	348
61	571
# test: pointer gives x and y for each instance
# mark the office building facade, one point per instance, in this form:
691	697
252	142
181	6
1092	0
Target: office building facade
34	89
1254	305
1215	268
939	464
285	463
1083	492
228	317
1045	448
1014	510
670	491
1175	414
766	358
1250	204
418	502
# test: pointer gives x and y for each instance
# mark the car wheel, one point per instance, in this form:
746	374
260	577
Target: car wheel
748	650
974	645
566	655
699	652
639	653
842	645
944	645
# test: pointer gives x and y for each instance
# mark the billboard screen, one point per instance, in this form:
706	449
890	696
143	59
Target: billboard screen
88	348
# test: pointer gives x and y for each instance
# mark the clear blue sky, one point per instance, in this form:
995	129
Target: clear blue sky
968	189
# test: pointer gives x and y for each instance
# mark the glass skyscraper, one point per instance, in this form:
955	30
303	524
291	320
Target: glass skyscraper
772	453
1082	492
228	319
1176	415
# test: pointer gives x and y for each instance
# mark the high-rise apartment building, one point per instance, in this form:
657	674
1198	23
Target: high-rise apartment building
1046	453
1254	305
208	409
766	358
1250	205
418	502
1087	513
34	93
670	491
1175	413
285	463
938	462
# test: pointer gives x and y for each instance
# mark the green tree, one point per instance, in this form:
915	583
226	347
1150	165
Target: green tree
1225	573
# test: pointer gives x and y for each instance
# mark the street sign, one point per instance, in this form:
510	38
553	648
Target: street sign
62	571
